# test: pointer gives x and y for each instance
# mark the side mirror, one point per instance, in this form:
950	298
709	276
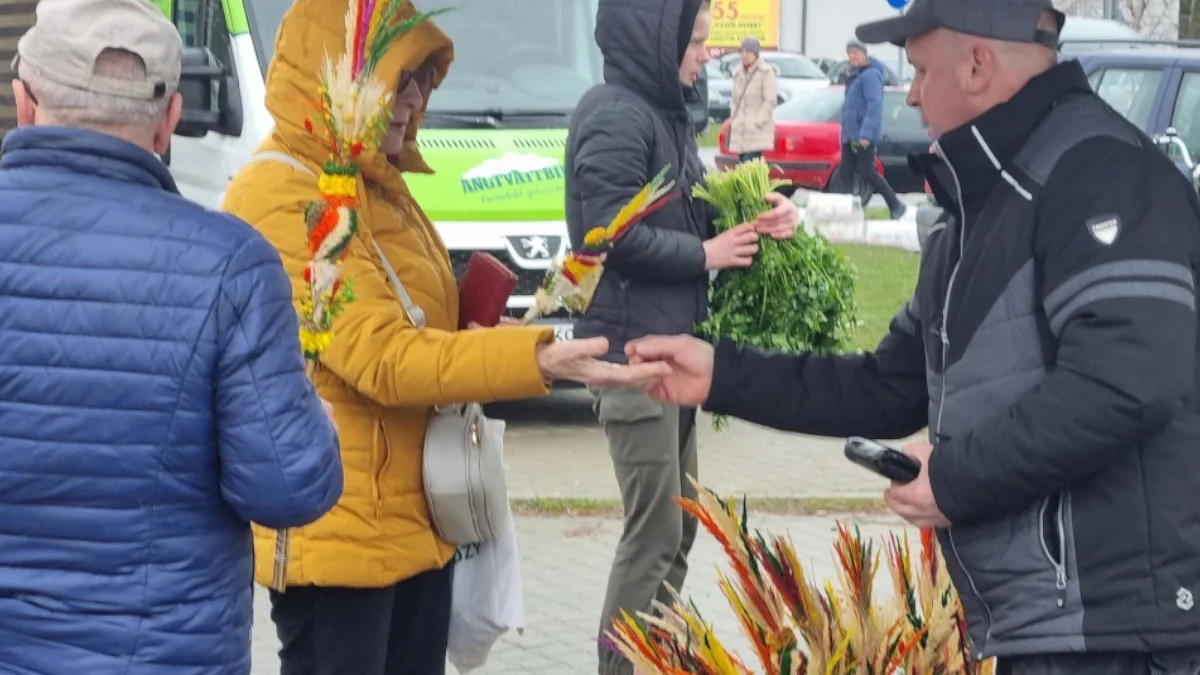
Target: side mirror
211	97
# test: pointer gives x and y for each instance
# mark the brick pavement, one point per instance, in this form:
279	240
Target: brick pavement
564	569
555	448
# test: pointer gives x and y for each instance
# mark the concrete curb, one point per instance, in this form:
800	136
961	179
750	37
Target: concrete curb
611	508
907	233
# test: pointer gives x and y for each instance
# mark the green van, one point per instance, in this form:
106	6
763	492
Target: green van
495	132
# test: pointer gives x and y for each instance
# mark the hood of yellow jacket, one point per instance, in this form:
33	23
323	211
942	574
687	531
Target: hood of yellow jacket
310	30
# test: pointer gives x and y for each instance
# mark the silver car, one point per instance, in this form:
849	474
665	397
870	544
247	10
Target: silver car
793	72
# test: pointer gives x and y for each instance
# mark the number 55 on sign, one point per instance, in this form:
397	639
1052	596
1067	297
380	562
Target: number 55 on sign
735	20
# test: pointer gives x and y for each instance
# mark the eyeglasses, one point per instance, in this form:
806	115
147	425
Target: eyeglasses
423	76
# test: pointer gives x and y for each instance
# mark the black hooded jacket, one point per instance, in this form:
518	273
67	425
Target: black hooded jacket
622	134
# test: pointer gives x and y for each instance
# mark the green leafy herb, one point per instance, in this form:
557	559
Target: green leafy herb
798	296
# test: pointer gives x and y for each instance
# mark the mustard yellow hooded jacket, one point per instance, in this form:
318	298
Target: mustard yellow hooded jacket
382	375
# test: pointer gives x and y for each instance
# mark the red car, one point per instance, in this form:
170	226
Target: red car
808	141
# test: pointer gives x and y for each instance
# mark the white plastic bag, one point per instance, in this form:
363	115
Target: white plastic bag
487	602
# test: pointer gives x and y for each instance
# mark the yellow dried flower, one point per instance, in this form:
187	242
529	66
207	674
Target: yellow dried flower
313	344
337	185
595	236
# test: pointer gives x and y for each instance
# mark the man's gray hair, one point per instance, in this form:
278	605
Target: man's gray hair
77	107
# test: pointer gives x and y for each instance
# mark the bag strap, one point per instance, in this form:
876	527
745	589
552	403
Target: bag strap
416	315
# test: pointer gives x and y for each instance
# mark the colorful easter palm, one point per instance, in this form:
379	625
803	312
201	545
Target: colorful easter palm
354	113
571	282
796	627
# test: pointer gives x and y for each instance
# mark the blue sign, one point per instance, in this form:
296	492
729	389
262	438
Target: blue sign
898	4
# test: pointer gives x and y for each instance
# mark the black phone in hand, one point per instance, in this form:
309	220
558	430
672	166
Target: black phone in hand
879	458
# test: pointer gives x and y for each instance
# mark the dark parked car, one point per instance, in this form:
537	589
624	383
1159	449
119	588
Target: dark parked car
1157	89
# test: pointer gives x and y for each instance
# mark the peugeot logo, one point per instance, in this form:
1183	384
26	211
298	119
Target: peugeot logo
537	247
535	250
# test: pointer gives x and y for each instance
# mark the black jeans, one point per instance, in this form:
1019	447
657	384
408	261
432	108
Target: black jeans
862	162
1184	662
399	630
747	156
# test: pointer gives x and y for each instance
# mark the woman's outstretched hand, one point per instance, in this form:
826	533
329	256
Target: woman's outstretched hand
579	361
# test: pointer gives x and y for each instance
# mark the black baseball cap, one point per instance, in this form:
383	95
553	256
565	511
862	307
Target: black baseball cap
1008	20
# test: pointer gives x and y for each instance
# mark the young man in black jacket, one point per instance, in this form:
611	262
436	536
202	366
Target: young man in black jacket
1050	348
656	278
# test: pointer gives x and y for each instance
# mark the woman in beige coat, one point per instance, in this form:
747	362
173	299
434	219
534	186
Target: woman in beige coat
752	122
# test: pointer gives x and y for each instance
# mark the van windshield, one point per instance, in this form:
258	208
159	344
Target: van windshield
514	60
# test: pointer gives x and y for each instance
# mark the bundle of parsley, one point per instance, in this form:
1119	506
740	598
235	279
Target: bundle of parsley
798	296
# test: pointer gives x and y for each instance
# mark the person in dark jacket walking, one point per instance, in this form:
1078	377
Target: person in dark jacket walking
153	399
1050	347
862	127
656	278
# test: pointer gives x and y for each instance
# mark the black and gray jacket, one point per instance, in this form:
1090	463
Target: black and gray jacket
1050	347
621	135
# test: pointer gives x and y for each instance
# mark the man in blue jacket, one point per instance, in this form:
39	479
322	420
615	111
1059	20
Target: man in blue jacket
862	127
153	399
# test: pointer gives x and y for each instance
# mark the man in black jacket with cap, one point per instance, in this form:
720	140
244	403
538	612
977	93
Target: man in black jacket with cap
1050	347
656	278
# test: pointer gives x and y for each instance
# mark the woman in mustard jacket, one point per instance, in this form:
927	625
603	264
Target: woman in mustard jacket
367	588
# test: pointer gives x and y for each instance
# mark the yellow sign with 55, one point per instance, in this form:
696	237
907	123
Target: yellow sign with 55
735	20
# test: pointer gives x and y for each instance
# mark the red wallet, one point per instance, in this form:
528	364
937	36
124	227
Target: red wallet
484	291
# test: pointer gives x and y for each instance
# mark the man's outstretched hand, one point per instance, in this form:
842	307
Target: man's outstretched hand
578	361
688	377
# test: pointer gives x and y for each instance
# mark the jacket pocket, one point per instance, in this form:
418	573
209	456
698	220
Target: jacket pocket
625	405
1052	535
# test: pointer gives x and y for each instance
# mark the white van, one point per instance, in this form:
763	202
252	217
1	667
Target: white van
495	132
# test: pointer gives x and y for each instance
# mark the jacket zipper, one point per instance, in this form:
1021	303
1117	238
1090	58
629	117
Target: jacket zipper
283	544
376	483
1059	565
945	336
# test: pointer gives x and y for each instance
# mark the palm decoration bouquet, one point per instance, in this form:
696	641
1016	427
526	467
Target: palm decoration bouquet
799	627
354	111
571	282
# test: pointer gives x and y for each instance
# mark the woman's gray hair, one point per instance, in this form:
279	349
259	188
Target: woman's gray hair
77	107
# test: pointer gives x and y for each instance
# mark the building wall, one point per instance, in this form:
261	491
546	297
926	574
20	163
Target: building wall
15	17
1157	19
830	24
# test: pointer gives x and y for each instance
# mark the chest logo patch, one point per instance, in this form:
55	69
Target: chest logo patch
1104	229
1184	600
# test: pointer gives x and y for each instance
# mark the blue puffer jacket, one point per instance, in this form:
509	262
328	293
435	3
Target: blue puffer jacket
152	402
862	115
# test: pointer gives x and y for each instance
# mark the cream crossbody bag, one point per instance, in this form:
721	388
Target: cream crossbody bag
463	463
